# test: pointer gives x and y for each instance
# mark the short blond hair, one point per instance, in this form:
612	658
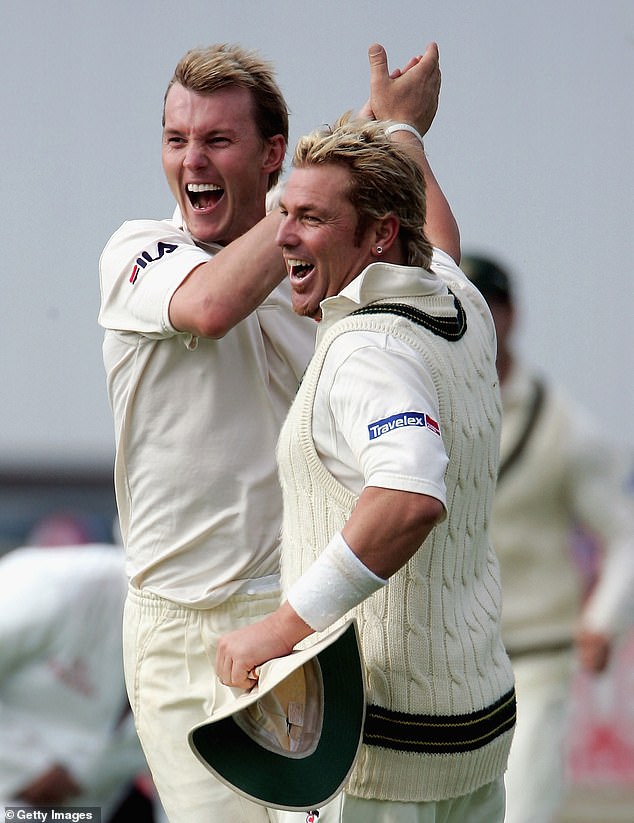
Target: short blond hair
206	70
384	179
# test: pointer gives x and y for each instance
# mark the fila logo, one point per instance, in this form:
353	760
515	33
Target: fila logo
398	421
146	258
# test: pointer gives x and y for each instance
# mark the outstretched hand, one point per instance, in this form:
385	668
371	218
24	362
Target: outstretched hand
408	95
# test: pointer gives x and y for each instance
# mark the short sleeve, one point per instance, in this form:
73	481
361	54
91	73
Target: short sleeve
379	416
141	267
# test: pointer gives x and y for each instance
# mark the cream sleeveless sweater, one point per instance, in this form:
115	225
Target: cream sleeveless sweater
440	694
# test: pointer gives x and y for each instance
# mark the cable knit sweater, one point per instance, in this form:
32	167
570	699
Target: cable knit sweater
440	685
569	473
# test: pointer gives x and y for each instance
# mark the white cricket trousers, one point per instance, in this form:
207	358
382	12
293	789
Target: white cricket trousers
169	661
485	805
535	778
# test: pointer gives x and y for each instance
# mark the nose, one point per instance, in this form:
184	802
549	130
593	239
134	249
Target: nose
286	234
195	158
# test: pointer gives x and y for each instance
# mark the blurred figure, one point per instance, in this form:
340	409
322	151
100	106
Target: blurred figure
66	734
67	528
557	472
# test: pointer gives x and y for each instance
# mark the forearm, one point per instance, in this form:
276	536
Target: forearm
411	96
220	293
441	227
386	528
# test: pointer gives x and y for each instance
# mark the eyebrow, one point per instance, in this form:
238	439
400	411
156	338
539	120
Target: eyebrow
303	209
223	131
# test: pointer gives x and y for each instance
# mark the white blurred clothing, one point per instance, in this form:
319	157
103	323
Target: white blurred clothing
535	777
196	421
62	694
567	475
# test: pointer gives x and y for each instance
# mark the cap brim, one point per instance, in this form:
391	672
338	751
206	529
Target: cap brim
273	779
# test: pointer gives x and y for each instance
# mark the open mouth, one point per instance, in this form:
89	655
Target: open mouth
204	195
298	269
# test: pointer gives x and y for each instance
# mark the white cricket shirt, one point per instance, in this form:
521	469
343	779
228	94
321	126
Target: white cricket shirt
196	422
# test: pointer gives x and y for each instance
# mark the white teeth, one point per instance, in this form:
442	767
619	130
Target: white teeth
298	269
198	187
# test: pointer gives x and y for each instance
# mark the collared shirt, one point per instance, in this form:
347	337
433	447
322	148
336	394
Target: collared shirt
382	280
375	394
196	421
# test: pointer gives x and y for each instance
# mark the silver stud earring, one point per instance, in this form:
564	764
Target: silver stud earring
379	249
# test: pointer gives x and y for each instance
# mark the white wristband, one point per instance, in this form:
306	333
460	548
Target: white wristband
405	127
335	583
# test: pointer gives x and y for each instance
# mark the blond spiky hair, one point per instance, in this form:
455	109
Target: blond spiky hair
384	179
206	70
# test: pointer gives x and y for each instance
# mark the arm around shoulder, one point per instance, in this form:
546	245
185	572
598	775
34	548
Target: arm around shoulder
218	294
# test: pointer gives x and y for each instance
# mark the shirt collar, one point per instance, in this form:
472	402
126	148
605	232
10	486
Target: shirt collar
377	281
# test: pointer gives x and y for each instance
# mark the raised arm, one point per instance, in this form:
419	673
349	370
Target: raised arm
411	96
222	292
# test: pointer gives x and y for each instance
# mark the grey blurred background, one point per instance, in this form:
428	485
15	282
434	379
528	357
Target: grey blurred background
532	144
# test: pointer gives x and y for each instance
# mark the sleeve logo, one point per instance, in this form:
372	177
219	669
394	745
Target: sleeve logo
146	258
399	421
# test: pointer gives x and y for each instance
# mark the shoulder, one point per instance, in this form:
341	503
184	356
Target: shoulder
141	247
457	281
149	237
373	361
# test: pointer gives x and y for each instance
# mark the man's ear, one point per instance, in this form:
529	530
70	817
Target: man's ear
274	154
387	230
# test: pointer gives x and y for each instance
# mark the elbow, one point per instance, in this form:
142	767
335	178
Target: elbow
214	327
448	239
213	318
420	521
205	320
433	512
453	247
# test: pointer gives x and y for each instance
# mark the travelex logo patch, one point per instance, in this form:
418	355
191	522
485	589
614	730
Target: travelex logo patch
398	421
145	258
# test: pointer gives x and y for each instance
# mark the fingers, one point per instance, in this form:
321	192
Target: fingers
378	60
237	675
377	57
238	655
230	668
412	62
409	94
431	53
